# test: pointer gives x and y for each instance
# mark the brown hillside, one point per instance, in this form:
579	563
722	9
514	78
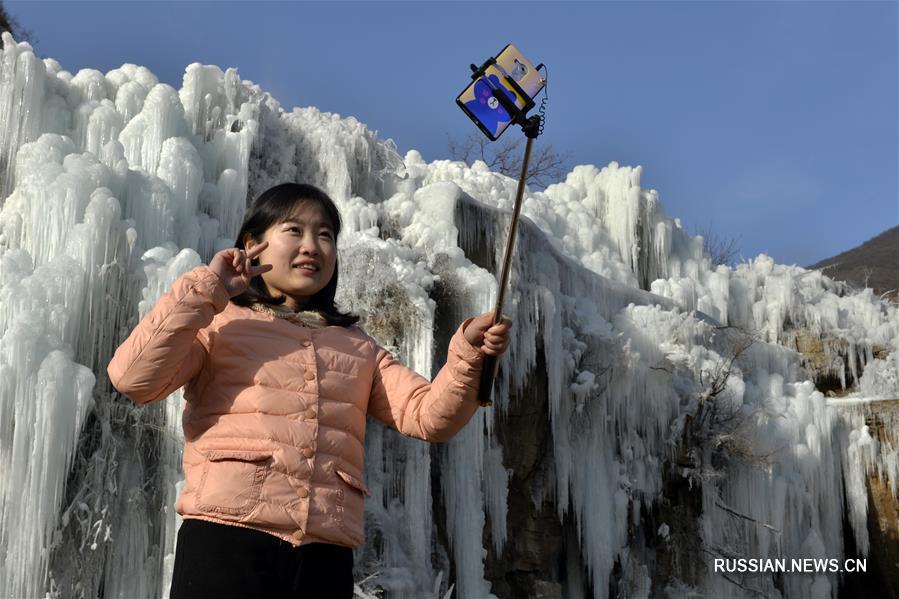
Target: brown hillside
876	262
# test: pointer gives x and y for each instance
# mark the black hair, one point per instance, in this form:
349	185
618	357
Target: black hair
273	206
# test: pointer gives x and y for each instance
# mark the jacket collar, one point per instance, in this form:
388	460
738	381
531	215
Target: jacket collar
309	318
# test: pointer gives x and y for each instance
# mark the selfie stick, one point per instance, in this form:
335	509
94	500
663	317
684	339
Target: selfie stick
531	128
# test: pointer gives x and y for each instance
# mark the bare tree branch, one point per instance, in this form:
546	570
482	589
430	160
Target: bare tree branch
867	271
10	24
733	512
545	166
721	250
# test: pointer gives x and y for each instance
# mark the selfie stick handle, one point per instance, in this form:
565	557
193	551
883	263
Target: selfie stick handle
531	128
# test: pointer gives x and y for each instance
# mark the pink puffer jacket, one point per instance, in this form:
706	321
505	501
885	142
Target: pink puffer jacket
274	420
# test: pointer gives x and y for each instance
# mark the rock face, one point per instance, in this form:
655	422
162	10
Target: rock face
883	511
883	528
832	362
531	563
824	359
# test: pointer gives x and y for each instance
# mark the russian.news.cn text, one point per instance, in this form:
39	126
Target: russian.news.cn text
807	565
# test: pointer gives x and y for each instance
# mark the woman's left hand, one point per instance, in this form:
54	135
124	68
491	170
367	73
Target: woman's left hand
491	339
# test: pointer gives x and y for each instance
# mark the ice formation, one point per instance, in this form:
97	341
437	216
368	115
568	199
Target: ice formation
653	360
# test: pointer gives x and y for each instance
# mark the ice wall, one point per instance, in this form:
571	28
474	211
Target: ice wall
656	363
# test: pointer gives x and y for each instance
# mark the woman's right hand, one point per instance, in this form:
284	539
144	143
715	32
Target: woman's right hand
233	266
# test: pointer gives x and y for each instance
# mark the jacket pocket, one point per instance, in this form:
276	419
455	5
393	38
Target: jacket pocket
351	480
232	480
351	505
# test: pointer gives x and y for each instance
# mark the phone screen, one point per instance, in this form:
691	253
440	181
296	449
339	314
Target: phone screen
479	102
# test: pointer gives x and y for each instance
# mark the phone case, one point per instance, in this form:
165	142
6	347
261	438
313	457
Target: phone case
479	103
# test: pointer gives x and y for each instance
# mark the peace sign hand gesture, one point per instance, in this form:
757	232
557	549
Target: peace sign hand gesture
233	267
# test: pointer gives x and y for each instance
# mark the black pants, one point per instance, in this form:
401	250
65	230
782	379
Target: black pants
220	561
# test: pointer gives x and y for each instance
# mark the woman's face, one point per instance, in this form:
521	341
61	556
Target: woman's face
305	237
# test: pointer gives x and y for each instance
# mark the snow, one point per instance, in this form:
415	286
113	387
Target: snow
112	185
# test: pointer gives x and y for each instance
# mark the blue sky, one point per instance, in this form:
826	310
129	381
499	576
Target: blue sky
775	123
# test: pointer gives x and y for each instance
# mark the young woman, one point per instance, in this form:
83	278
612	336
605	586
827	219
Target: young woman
278	383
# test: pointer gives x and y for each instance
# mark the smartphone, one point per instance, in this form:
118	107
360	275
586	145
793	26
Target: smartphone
479	102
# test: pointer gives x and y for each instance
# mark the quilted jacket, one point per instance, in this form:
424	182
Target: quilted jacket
275	411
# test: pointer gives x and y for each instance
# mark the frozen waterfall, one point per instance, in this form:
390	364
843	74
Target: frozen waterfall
653	412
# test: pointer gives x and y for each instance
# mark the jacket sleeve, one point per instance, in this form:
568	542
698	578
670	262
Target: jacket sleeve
169	346
432	411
